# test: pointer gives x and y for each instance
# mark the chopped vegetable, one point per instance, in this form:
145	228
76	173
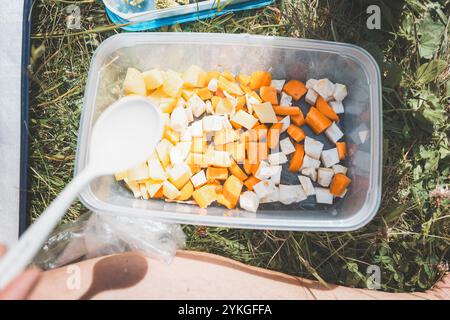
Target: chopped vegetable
268	94
297	158
296	89
339	184
286	111
326	110
296	133
342	149
317	121
260	79
250	182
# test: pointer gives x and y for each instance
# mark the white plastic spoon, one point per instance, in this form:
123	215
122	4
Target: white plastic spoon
123	136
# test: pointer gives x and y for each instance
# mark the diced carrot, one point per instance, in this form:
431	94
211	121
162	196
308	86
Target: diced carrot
255	168
238	172
205	195
273	136
286	111
259	79
299	119
325	109
247	166
224	201
339	183
250	182
219	93
317	121
204	94
341	149
263	152
297	158
296	133
269	94
295	88
243	79
258	133
213	173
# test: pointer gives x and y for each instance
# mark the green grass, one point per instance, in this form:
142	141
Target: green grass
409	239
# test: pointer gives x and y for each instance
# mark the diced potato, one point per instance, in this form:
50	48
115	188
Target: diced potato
155	170
323	195
134	83
153	187
186	192
138	173
199	179
244	119
153	79
264	188
324	176
163	151
265	113
172	84
291	193
134	187
205	195
249	201
232	189
170	191
180	174
194	76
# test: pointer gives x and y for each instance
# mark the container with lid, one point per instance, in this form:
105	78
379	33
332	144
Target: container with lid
286	58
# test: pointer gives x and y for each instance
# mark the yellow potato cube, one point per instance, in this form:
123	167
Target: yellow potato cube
153	79
225	136
163	151
170	191
205	195
194	76
180	174
232	189
231	87
138	173
172	84
244	119
225	202
134	83
167	104
153	187
265	113
186	192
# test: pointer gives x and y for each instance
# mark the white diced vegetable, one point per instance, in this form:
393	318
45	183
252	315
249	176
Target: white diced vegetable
278	84
291	193
249	201
324	196
310	83
250	101
324	176
311	97
244	119
178	119
264	188
286	146
307	185
197	105
212	85
333	133
337	106
197	129
189	114
309	162
199	179
186	135
310	172
212	123
276	176
325	88
337	168
285	99
313	147
265	171
170	191
277	158
330	157
156	170
273	197
209	107
286	121
340	92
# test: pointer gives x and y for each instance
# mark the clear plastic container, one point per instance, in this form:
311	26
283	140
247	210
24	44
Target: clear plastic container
286	58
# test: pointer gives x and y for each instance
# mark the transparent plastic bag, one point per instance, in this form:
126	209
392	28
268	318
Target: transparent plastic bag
98	234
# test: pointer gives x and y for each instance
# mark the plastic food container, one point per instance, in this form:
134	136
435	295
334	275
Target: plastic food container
286	58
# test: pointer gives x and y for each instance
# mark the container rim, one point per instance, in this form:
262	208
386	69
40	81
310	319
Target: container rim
356	53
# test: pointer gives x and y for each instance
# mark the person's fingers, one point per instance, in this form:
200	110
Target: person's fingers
2	250
19	288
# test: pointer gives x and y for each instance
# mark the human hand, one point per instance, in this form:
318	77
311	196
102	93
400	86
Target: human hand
21	286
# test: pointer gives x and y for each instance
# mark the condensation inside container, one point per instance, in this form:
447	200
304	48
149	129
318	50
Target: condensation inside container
284	63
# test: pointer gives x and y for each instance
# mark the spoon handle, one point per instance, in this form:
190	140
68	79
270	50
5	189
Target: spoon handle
23	252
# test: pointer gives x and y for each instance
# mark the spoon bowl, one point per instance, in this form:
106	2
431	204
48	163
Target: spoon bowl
123	136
